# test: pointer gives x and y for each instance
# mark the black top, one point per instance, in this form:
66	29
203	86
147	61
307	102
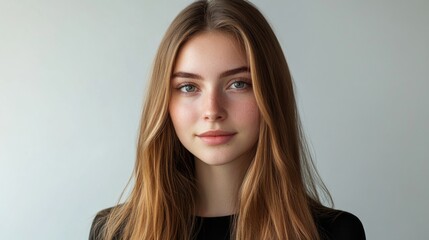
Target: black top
335	225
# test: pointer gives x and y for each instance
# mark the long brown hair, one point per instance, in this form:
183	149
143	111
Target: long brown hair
279	193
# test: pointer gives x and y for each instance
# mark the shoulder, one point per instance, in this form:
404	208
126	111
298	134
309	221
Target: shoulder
98	224
339	225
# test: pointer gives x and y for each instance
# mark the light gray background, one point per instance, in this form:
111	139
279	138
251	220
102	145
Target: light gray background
73	74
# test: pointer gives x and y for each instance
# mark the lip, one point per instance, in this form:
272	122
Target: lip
216	137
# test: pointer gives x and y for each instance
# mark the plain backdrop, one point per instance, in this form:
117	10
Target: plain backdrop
72	81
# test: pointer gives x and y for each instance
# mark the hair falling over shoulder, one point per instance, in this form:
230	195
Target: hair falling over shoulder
280	190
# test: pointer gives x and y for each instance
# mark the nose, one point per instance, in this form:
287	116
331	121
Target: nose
214	107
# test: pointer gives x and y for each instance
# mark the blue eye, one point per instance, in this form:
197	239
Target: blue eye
239	85
187	88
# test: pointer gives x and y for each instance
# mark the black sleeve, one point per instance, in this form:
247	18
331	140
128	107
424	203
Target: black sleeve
98	225
342	226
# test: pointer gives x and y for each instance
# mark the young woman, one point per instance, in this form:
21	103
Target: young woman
221	154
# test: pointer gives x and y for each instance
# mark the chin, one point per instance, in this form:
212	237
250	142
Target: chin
222	159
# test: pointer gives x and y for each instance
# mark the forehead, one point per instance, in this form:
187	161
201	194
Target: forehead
211	51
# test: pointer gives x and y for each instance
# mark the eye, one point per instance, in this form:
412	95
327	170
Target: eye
187	88
239	84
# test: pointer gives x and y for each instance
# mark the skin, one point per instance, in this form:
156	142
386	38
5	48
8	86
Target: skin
212	91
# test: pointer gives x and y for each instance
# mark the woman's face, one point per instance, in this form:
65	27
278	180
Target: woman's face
212	107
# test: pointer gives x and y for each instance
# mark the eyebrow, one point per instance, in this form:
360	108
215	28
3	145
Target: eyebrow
222	75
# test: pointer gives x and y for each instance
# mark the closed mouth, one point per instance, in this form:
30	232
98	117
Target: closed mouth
216	137
216	133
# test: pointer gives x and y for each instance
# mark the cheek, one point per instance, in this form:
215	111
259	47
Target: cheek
181	114
246	111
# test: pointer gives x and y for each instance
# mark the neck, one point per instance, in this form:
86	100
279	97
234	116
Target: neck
218	187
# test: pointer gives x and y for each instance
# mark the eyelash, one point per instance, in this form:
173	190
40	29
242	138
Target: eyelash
182	86
246	82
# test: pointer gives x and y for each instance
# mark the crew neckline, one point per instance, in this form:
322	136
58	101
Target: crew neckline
215	217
